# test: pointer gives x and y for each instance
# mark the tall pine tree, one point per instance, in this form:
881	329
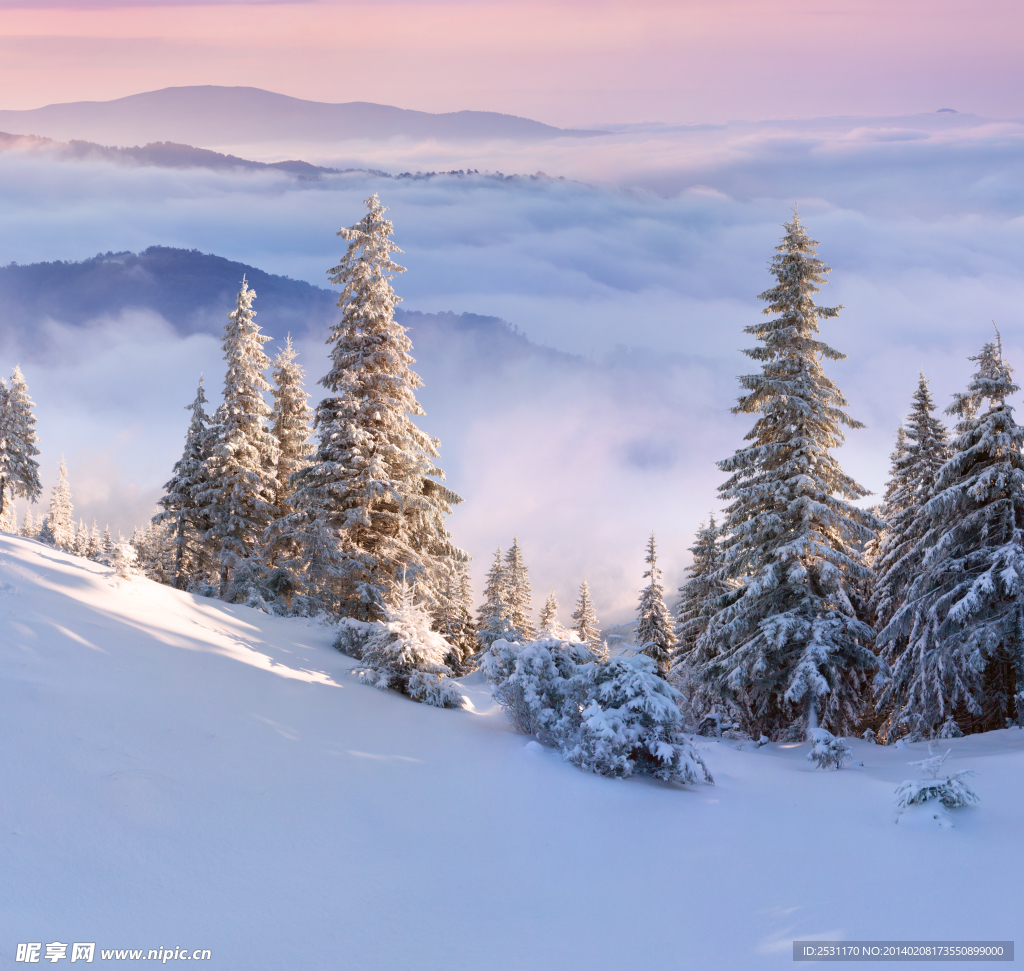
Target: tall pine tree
453	616
496	612
955	646
586	621
517	584
373	475
290	420
787	647
241	492
549	616
59	528
700	595
184	508
19	471
654	634
922	448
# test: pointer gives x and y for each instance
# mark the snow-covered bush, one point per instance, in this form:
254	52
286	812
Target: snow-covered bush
253	583
351	636
950	790
123	559
536	684
949	729
403	653
631	724
827	750
615	717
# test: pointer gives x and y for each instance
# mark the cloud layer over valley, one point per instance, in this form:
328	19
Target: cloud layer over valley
643	273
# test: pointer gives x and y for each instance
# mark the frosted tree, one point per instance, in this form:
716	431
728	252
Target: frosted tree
922	448
290	419
787	647
28	527
108	543
373	473
95	542
586	621
496	613
549	615
290	423
59	527
955	647
19	471
517	584
654	635
184	503
700	595
241	493
453	616
81	543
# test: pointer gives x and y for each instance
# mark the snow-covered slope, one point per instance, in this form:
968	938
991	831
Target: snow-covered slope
179	772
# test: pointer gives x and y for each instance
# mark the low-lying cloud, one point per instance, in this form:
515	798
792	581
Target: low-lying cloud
648	272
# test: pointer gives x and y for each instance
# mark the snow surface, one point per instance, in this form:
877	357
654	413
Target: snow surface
179	771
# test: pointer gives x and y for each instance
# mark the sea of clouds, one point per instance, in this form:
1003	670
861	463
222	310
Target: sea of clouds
645	261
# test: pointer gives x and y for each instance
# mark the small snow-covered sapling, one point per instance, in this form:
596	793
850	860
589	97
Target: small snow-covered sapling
827	750
950	790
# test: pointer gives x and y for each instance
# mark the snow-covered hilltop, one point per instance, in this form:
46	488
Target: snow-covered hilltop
181	771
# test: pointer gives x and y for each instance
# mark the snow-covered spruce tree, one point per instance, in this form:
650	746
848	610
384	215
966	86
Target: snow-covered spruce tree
80	547
517	584
616	717
241	490
183	504
311	567
654	635
585	620
290	420
59	527
495	614
630	724
373	473
787	647
403	653
962	617
19	471
700	595
549	622
453	616
95	543
922	448
28	527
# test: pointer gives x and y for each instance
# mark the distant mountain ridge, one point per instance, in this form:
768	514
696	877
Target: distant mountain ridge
216	115
163	154
195	291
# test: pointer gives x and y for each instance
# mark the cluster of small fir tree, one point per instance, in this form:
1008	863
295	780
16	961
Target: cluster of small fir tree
506	611
954	646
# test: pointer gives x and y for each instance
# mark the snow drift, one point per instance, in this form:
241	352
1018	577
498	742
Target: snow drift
183	772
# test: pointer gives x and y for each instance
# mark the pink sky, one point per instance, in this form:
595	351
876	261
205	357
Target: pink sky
564	63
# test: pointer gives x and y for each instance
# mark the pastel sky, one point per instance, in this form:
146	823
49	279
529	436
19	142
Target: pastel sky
566	63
